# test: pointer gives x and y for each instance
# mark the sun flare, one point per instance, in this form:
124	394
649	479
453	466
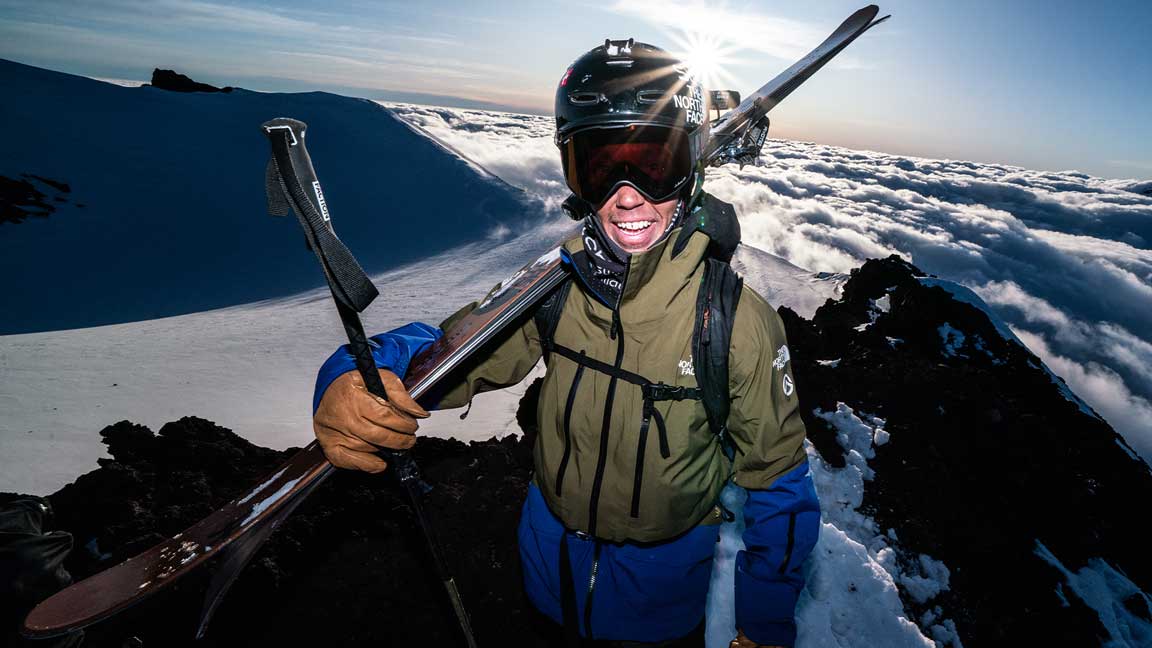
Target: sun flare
707	56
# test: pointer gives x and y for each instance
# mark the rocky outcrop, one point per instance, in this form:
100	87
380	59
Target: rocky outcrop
346	569
30	195
991	459
176	82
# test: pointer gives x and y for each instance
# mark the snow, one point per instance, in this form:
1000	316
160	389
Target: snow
721	613
932	579
167	215
852	598
1110	594
784	284
852	595
953	340
966	295
249	368
1127	449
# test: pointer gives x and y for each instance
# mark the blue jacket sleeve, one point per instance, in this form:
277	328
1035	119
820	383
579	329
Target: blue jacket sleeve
782	525
393	351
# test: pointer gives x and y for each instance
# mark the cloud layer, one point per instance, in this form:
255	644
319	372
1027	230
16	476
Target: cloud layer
1065	258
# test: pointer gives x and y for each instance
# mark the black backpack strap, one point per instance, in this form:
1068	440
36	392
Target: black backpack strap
712	339
547	316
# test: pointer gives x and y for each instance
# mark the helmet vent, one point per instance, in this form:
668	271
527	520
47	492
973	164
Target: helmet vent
586	98
649	96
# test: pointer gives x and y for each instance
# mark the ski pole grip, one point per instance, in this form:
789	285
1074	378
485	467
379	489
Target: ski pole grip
291	182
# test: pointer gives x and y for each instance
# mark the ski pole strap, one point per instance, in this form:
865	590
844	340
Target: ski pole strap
291	182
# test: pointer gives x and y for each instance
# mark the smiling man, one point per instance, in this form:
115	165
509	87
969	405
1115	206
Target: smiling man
666	380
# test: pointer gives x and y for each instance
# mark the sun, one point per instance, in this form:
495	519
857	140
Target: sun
706	56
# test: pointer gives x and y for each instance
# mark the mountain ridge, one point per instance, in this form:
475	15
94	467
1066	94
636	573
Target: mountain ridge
173	218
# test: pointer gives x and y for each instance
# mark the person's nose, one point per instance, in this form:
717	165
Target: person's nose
629	198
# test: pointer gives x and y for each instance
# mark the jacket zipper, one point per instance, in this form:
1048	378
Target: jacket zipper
791	542
602	459
616	330
591	588
567	426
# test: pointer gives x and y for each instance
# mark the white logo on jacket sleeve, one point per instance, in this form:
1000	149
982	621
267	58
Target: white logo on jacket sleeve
789	387
782	357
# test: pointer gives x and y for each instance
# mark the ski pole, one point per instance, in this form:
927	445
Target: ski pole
291	182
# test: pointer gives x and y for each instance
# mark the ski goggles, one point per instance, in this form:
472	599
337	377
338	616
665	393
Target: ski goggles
656	160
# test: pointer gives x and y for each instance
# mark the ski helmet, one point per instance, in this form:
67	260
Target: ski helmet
631	113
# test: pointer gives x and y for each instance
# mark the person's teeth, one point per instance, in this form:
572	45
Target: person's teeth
634	226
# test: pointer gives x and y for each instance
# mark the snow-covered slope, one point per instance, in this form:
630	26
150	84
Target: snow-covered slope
250	368
165	213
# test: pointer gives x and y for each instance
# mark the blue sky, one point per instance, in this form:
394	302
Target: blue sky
1046	85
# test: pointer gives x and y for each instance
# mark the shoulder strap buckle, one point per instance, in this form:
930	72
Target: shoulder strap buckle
660	391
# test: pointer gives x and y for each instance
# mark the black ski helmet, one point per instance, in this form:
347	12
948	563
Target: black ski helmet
624	83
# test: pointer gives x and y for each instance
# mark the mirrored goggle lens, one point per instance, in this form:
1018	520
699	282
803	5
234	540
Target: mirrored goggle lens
654	159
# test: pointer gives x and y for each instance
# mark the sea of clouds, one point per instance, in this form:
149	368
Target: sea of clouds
1063	257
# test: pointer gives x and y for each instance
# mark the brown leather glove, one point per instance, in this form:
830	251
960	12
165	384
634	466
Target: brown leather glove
351	423
744	642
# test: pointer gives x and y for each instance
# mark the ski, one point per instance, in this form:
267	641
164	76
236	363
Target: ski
230	536
739	134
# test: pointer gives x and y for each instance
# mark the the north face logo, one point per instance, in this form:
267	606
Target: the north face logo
686	368
782	357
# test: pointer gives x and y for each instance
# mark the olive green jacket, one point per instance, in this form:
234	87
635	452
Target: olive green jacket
576	449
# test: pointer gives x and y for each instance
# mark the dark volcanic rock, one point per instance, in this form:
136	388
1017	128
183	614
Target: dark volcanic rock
176	82
26	197
987	457
347	568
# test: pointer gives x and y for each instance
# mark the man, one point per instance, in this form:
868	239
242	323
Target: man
620	524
